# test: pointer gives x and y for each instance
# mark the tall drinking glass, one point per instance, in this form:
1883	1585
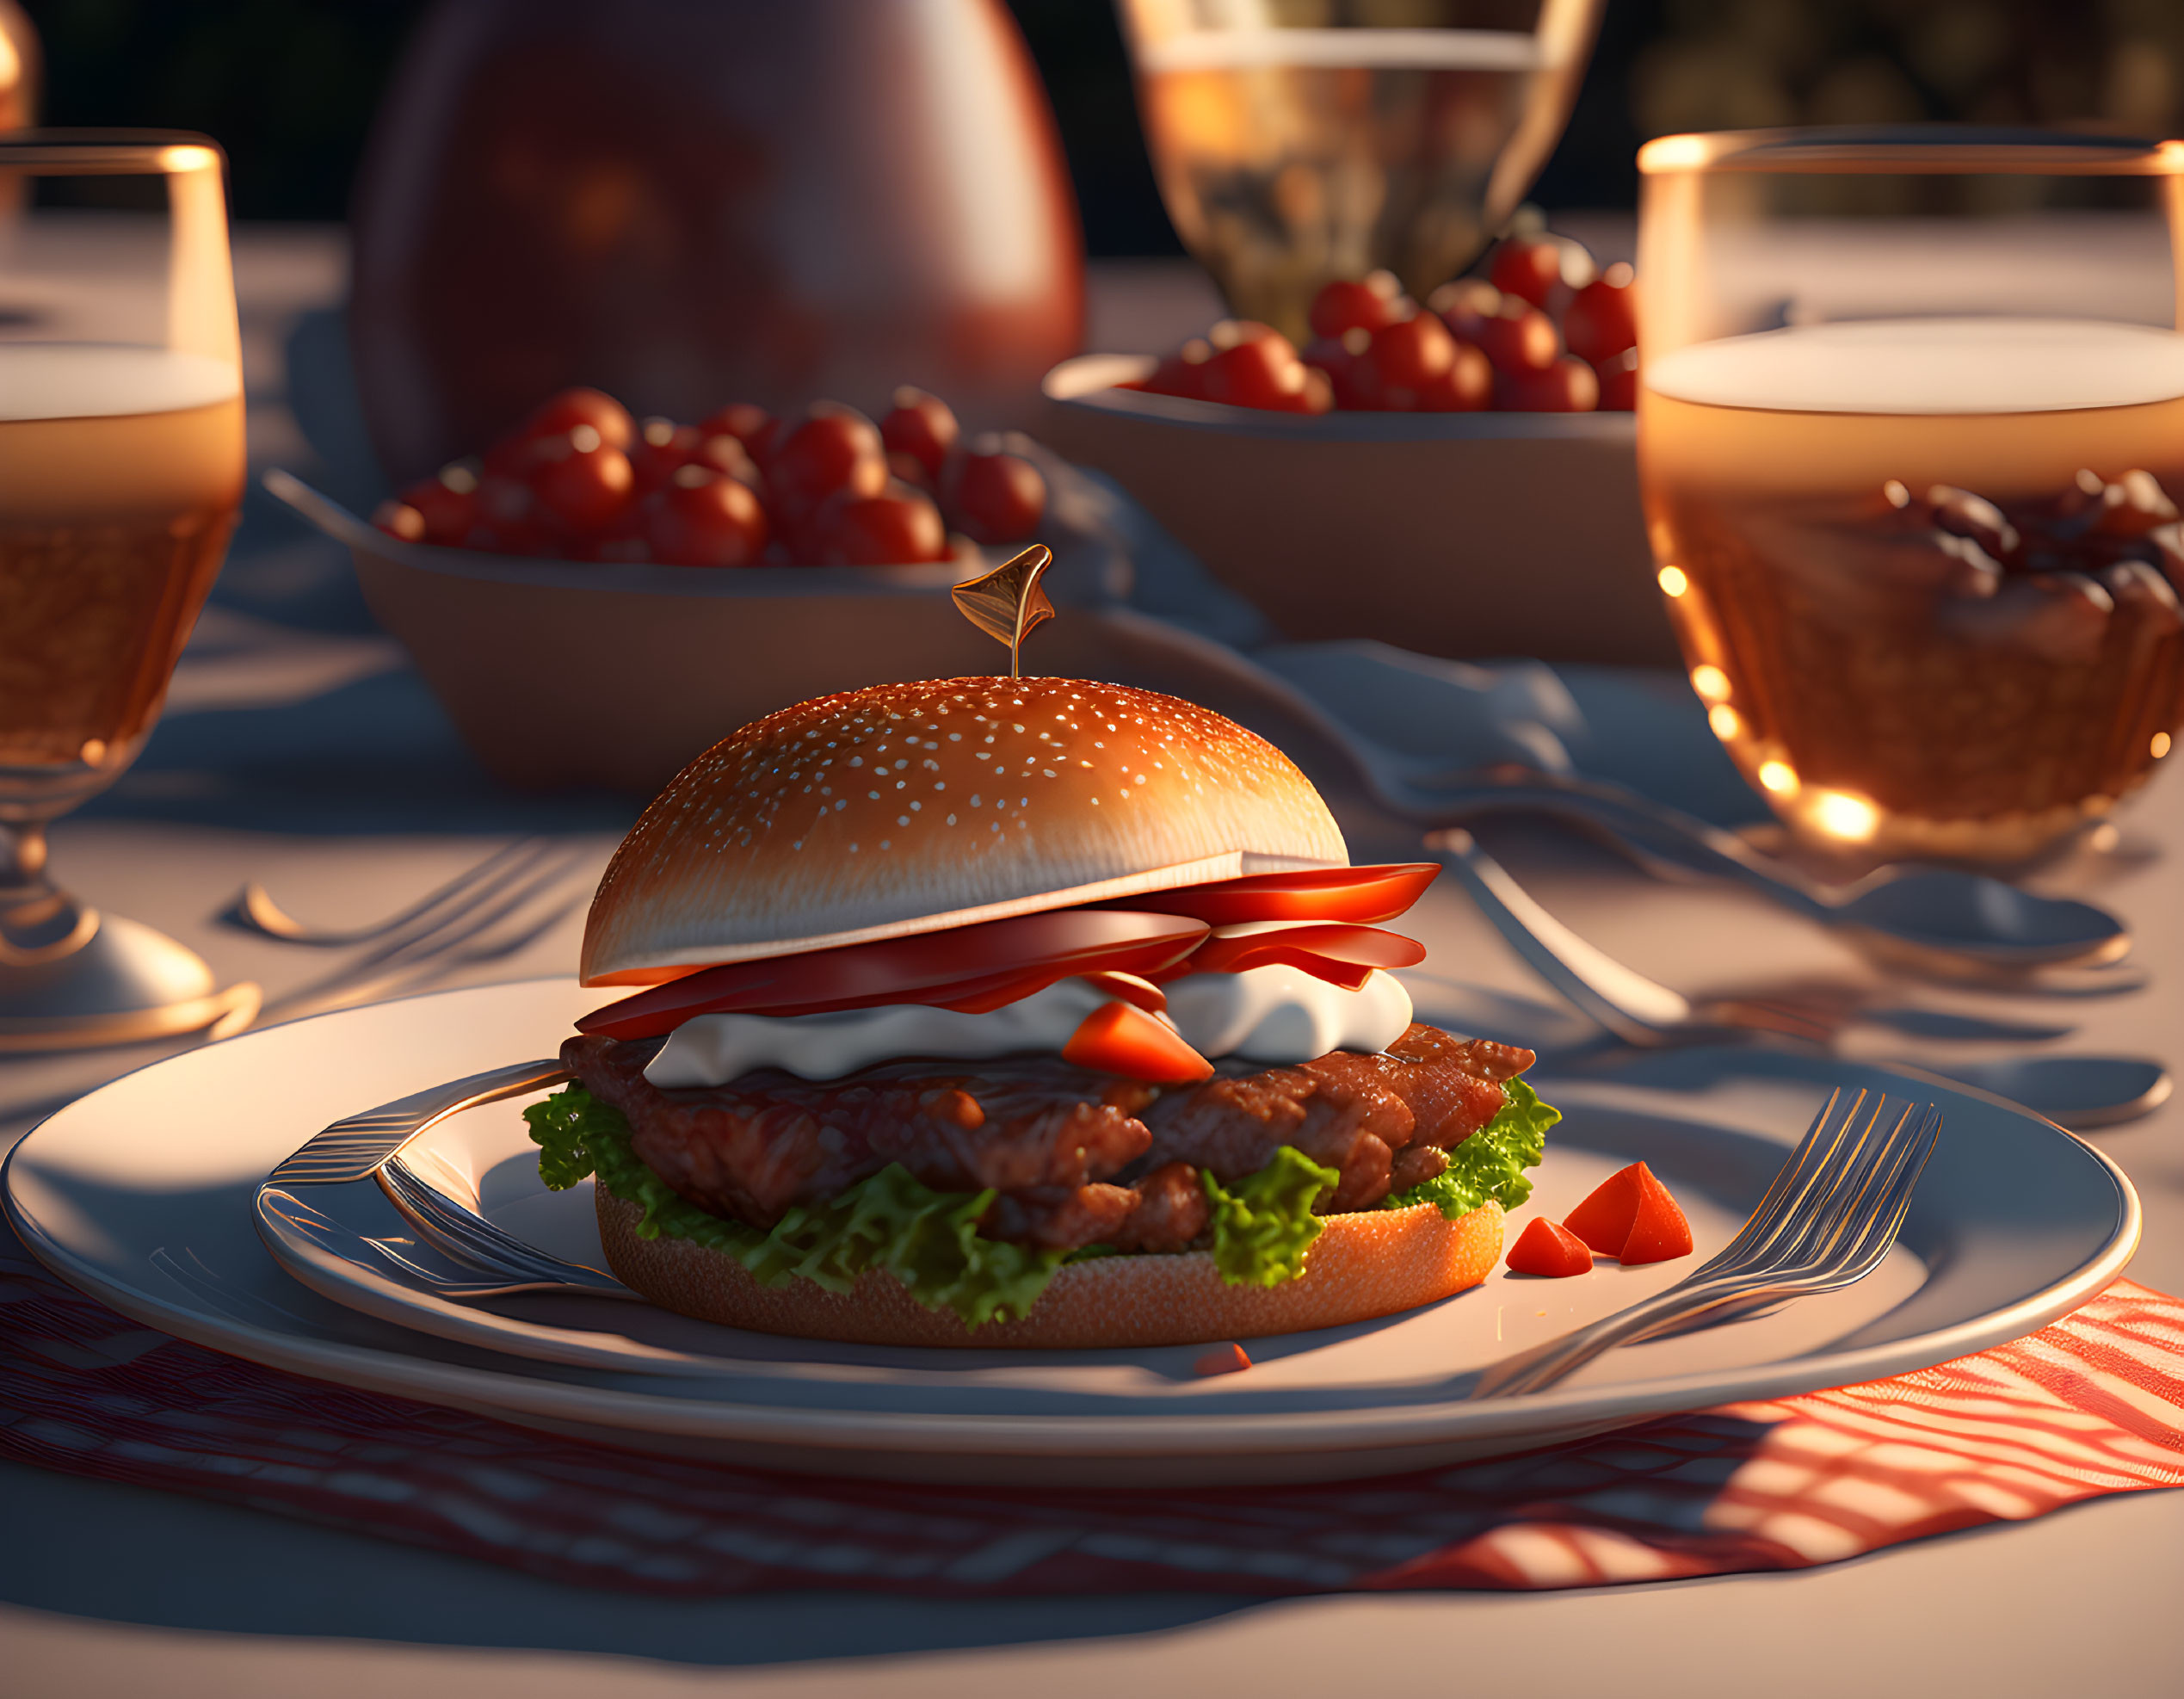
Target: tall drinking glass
1297	141
121	468
1910	434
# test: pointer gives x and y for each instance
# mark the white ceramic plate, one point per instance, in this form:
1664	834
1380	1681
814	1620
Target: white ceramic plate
141	1194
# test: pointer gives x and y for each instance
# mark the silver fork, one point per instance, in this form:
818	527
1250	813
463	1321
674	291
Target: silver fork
1826	1223
511	915
254	910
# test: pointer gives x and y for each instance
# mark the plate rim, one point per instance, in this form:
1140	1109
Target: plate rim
509	1395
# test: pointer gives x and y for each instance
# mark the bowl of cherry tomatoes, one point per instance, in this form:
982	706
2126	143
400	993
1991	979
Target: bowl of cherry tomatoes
1457	476
595	598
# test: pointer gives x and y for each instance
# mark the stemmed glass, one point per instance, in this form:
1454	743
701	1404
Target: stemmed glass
121	468
1297	141
1911	442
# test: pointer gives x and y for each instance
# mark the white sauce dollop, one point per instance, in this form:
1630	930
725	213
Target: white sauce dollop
1275	1015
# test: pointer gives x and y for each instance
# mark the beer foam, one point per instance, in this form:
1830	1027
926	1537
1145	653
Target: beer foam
1929	367
90	380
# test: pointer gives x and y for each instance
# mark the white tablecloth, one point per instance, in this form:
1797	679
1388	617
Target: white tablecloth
301	751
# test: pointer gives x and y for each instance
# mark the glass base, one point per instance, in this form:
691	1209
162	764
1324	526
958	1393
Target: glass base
72	978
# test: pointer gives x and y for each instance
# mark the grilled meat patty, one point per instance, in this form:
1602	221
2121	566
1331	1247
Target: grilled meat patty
1079	1157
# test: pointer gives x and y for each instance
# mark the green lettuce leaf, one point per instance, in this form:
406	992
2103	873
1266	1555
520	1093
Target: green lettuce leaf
1262	1227
1263	1224
928	1240
1490	1163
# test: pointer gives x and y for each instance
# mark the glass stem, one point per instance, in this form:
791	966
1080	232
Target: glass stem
39	922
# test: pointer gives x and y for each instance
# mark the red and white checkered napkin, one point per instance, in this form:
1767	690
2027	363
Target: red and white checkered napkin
2093	1404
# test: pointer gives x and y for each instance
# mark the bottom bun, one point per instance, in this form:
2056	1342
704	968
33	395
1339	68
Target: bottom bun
1369	1263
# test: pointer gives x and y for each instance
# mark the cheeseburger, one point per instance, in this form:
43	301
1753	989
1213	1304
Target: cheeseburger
1025	1012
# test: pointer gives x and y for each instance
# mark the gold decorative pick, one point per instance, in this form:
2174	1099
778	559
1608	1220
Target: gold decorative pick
1007	603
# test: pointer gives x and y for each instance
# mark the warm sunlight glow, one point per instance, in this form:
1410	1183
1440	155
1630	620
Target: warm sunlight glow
186	157
1673	153
1839	814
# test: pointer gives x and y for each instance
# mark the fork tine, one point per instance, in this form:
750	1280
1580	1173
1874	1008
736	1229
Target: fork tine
450	943
254	909
1793	1183
1836	1199
1884	1219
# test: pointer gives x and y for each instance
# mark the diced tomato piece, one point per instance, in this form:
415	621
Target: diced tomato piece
1364	895
1120	1038
942	968
1603	1219
1225	1358
1335	951
1548	1250
1659	1232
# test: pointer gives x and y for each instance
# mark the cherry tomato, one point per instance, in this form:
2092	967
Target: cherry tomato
1182	373
1365	305
922	427
937	968
1467	386
1520	339
1465	306
510	520
1412	352
705	518
582	481
574	407
1602	319
1619	382
898	527
399	519
1526	267
835	449
661	445
1567	387
749	423
519	454
447	503
1353	378
1264	371
994	496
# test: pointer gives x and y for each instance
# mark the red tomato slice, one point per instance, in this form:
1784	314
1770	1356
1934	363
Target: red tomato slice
1546	1250
1334	951
1358	894
965	964
1120	1038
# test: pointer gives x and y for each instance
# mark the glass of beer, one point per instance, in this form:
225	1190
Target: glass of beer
121	468
1298	141
1911	439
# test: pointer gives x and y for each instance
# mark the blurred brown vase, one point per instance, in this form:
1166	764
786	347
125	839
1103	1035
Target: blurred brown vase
690	202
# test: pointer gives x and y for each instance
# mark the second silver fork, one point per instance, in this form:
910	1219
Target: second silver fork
1826	1223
